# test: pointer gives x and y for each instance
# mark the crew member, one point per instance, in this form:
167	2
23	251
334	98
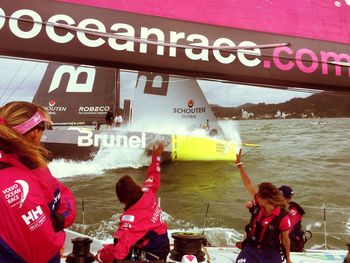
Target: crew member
118	120
141	226
269	206
296	213
109	119
35	206
268	226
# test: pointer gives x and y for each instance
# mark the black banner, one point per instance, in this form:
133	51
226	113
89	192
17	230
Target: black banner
95	36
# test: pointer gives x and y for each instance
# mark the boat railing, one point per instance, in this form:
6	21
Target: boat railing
329	225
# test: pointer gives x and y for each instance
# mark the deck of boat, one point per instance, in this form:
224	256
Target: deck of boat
226	254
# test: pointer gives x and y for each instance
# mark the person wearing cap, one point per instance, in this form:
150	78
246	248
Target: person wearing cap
267	233
35	207
296	213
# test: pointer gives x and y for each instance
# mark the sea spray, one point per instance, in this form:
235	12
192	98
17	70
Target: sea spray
105	159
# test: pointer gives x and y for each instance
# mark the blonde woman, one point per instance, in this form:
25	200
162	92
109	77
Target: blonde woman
267	233
35	207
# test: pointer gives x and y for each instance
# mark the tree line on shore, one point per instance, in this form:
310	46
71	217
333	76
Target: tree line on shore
321	105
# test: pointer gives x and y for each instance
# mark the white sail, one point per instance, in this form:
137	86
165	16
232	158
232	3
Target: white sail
172	104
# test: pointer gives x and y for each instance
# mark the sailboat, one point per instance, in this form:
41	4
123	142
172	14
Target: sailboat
164	108
264	43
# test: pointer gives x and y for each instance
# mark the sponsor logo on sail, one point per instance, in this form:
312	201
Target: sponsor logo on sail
51	108
189	111
16	194
74	74
100	109
52	103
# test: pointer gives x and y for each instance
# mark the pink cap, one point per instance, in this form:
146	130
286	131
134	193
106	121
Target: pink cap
30	123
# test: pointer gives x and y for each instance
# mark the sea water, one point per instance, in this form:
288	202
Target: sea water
208	197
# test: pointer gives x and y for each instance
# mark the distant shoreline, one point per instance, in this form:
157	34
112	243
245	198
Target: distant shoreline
321	105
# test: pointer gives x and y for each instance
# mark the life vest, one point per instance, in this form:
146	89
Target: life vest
297	235
268	238
297	207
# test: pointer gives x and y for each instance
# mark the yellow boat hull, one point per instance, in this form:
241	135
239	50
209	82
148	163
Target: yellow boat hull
188	148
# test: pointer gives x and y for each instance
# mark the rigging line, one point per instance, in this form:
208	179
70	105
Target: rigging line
24	59
21	82
146	41
10	82
244	49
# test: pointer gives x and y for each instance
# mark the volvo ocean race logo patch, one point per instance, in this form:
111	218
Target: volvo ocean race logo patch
16	194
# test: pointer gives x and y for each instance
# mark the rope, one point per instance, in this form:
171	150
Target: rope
146	41
21	83
10	82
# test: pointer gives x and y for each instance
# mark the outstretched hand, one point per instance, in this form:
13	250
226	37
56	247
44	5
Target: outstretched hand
158	151
238	156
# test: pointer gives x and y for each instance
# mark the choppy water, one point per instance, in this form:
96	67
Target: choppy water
313	159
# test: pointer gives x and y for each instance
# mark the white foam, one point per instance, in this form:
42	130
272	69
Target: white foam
107	158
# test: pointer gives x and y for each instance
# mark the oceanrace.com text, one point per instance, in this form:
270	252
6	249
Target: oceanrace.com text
283	58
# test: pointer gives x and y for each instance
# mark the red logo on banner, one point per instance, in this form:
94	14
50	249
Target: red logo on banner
190	103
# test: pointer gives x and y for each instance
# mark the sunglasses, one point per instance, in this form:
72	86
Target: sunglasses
42	126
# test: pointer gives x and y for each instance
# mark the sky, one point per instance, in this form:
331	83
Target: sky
21	78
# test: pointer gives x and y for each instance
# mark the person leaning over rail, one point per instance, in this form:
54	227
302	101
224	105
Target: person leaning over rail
35	207
267	232
141	227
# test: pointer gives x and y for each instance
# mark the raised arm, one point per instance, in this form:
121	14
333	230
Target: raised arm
244	176
152	181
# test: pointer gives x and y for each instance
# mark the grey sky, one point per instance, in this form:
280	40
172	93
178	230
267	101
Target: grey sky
232	95
20	79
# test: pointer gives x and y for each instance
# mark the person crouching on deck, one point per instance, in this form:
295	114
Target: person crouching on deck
141	227
269	225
